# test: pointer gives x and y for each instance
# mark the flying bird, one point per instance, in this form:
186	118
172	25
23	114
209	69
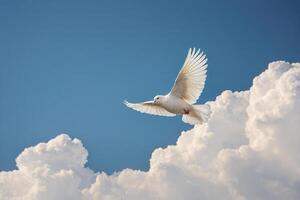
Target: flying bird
186	90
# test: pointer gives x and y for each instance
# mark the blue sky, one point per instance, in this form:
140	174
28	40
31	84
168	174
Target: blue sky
66	67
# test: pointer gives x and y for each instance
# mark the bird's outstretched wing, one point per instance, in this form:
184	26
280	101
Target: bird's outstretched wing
150	108
191	78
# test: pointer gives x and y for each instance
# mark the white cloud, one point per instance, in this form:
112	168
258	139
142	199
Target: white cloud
249	149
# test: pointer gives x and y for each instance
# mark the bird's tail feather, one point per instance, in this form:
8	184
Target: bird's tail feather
198	115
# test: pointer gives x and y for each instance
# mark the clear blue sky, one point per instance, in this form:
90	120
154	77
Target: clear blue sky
66	67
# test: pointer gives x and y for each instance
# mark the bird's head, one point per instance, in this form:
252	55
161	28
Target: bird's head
158	99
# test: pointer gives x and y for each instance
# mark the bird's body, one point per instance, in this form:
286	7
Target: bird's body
185	92
174	104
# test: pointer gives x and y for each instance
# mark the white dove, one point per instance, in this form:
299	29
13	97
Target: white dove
185	92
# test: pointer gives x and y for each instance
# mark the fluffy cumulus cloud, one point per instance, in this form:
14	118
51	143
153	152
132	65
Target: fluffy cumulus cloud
249	149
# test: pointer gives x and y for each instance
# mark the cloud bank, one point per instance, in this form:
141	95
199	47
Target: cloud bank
249	149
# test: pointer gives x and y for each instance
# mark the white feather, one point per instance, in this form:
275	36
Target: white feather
191	78
149	107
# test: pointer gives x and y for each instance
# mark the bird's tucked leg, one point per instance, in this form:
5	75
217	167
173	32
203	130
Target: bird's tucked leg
186	111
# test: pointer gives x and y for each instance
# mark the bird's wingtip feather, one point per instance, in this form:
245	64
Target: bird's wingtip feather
125	102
